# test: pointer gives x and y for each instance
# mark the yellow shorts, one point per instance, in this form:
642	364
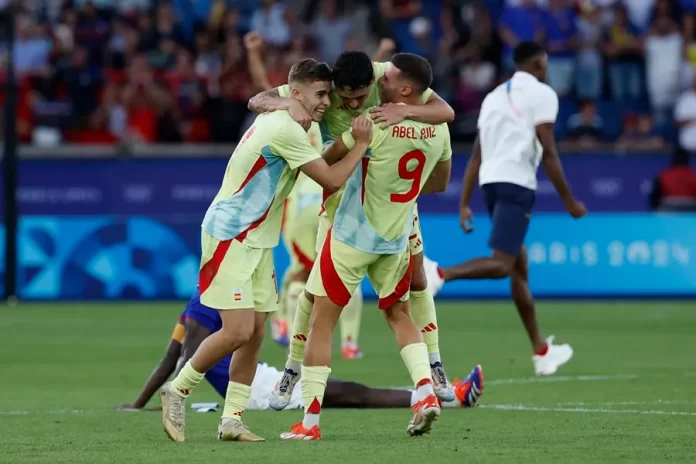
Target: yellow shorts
341	268
300	239
415	239
322	231
235	276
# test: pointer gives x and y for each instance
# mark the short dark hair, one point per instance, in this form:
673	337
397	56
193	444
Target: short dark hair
353	70
526	51
415	69
308	71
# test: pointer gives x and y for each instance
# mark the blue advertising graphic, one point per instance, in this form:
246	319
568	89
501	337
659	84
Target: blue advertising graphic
158	187
130	229
106	257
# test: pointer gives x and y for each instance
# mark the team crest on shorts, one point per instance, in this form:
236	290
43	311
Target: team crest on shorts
237	294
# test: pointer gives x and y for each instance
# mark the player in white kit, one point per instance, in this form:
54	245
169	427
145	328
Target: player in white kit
515	135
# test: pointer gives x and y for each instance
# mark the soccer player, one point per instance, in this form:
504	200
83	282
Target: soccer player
198	322
515	135
370	236
299	234
356	89
239	232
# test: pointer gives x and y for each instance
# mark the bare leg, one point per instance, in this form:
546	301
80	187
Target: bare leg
341	394
237	329
246	358
522	296
499	266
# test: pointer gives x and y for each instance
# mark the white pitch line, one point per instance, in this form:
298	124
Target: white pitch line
578	378
627	403
524	407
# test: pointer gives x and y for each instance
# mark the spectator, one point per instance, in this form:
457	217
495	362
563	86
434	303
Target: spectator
270	23
235	90
331	31
675	188
82	83
165	25
110	118
639	134
560	32
92	32
589	60
519	23
189	96
585	127
685	118
663	62
640	13
623	49
31	48
148	34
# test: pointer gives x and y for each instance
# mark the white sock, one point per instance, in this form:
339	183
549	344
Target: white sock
310	420
414	397
452	404
424	390
434	358
294	366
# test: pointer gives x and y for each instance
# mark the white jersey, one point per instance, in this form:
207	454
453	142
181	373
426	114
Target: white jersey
510	151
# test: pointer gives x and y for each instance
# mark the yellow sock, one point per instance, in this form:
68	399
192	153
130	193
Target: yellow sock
415	357
350	319
236	400
187	380
422	308
300	328
282	313
292	295
314	379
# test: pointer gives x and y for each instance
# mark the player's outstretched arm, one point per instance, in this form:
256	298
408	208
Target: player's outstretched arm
270	100
332	178
195	334
552	165
254	45
164	369
434	111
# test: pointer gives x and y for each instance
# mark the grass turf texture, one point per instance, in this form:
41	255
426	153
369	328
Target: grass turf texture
64	368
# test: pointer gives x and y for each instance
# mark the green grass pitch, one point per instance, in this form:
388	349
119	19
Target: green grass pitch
628	395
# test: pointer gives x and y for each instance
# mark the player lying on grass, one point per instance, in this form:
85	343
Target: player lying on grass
198	322
355	90
238	234
515	135
370	237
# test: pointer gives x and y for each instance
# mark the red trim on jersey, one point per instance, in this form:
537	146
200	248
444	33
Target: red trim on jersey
365	162
253	225
285	214
401	288
211	268
258	165
334	286
325	194
304	260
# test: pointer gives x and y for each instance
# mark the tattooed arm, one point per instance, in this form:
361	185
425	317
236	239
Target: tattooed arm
270	100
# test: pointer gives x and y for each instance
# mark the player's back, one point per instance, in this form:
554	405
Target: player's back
510	151
379	198
257	180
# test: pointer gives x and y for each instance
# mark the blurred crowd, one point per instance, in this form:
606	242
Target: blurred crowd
104	71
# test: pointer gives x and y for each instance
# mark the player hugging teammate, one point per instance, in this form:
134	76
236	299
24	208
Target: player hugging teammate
368	230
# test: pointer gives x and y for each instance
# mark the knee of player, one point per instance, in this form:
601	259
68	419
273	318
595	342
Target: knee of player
396	313
235	334
418	282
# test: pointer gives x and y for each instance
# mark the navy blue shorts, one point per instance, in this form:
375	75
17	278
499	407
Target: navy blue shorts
510	207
